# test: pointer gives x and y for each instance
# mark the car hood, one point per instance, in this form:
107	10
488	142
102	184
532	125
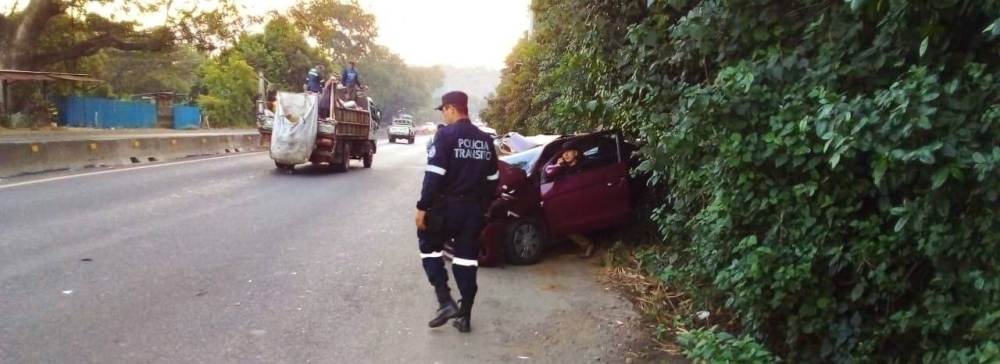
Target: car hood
515	142
511	177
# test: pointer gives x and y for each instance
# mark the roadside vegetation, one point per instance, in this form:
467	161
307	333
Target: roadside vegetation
824	172
207	56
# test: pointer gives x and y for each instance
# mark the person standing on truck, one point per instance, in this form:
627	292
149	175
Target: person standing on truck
352	80
459	182
314	80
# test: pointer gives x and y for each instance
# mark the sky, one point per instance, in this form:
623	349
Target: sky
483	32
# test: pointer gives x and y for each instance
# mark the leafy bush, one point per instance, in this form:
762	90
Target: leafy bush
832	166
709	346
835	175
231	86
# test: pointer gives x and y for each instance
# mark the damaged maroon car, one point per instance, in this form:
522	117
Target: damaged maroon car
535	210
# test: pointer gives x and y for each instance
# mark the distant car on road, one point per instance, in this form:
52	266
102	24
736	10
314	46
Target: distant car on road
402	128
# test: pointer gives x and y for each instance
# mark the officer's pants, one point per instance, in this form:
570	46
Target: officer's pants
463	222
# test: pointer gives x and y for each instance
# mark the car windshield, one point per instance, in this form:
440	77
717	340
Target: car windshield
523	160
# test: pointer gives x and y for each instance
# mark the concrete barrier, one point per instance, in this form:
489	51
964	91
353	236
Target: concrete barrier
34	157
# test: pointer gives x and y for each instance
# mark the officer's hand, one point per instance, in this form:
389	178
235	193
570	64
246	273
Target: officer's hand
420	220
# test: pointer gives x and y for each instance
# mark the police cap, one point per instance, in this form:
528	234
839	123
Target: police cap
457	98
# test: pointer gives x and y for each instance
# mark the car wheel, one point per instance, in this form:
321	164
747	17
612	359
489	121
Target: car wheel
392	141
412	140
524	242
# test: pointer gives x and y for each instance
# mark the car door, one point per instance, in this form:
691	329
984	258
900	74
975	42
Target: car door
595	198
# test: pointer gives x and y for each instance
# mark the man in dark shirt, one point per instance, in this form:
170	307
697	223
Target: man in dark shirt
460	180
567	165
352	80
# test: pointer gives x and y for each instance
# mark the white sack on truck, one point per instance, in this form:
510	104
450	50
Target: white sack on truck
295	124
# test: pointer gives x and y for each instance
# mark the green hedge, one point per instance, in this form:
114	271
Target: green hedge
833	169
832	165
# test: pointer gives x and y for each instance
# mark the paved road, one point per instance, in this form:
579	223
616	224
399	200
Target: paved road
223	260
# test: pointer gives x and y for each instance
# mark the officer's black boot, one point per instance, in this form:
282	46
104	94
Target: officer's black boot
446	311
463	319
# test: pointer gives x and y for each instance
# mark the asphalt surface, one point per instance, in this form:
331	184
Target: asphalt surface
224	260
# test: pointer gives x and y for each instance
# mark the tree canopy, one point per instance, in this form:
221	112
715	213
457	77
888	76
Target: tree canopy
194	42
281	52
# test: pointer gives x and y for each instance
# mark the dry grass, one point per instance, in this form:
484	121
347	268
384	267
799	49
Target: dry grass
667	311
659	305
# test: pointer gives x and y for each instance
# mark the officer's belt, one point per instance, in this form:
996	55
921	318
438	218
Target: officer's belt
461	198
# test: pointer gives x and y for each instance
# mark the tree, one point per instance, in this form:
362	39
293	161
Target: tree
231	88
69	36
130	73
281	52
343	30
23	31
513	104
562	76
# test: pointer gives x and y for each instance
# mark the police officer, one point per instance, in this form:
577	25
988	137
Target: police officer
459	182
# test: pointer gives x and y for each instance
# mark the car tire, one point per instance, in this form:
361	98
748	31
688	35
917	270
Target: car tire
524	242
412	140
392	141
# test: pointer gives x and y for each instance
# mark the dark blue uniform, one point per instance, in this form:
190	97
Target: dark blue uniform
461	177
315	80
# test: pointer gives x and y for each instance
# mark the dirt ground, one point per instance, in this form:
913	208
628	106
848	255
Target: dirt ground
589	322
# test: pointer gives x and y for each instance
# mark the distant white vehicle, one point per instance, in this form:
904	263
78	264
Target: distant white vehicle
402	128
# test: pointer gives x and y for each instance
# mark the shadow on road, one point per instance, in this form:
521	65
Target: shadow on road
316	170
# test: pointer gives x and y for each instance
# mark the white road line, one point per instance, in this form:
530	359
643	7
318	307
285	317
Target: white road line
124	169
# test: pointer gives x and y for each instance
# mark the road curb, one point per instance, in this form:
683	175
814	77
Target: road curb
21	158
